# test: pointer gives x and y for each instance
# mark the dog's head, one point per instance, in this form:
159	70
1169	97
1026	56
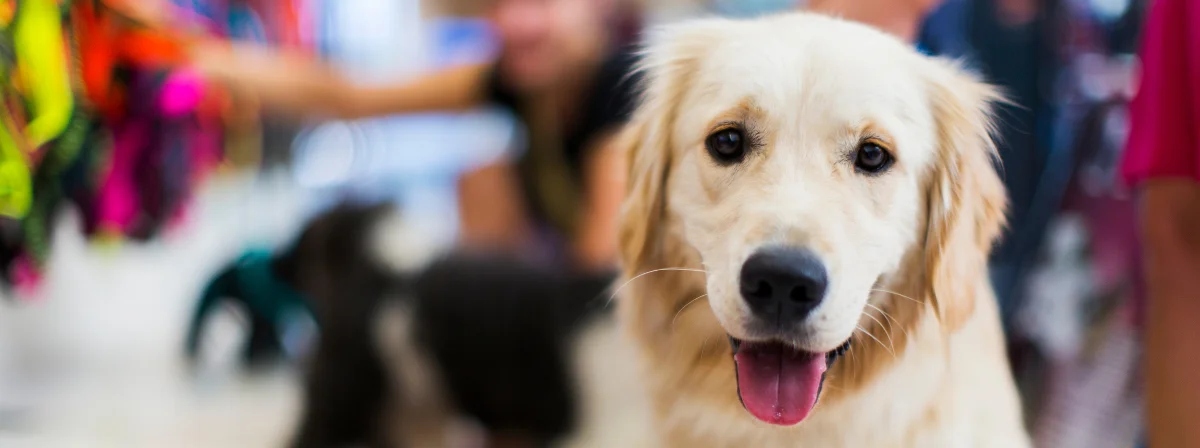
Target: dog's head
808	163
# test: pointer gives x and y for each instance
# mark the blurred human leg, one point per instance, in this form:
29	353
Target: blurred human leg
491	212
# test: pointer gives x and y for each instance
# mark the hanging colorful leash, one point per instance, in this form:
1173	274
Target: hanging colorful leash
37	83
130	141
35	78
49	188
130	200
42	65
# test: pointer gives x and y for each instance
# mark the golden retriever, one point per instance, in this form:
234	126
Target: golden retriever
810	209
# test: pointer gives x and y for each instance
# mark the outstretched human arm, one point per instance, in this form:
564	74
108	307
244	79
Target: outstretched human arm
298	84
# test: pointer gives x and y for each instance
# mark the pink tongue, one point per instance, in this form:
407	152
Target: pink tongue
778	384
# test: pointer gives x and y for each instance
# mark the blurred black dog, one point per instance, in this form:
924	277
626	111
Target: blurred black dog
411	341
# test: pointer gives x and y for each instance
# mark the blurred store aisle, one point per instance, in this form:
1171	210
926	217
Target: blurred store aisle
96	360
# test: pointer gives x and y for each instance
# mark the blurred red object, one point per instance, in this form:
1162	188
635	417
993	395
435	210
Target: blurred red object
106	41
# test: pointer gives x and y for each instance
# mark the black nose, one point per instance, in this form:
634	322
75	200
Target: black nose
783	284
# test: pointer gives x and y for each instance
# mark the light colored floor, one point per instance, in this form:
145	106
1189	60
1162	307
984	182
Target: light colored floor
95	361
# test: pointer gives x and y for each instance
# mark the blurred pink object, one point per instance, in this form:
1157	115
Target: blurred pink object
27	280
181	93
117	199
206	146
1166	113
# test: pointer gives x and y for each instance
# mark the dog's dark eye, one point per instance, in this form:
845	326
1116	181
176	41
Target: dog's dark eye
872	159
727	145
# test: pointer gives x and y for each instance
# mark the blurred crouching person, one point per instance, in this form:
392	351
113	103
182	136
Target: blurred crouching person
563	71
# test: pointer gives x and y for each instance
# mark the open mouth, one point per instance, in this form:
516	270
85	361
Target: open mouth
777	383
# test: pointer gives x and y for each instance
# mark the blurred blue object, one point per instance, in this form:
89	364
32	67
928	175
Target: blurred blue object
944	32
750	8
244	23
462	41
1109	10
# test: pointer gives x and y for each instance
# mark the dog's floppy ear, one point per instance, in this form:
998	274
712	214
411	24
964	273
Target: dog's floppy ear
966	199
670	54
649	158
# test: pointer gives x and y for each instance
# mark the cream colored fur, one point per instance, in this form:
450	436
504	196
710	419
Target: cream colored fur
905	251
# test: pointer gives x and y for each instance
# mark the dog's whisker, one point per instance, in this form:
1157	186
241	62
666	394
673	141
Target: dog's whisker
897	295
677	313
891	319
876	340
891	342
627	282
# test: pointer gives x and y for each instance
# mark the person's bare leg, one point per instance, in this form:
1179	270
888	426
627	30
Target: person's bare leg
491	211
1170	225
